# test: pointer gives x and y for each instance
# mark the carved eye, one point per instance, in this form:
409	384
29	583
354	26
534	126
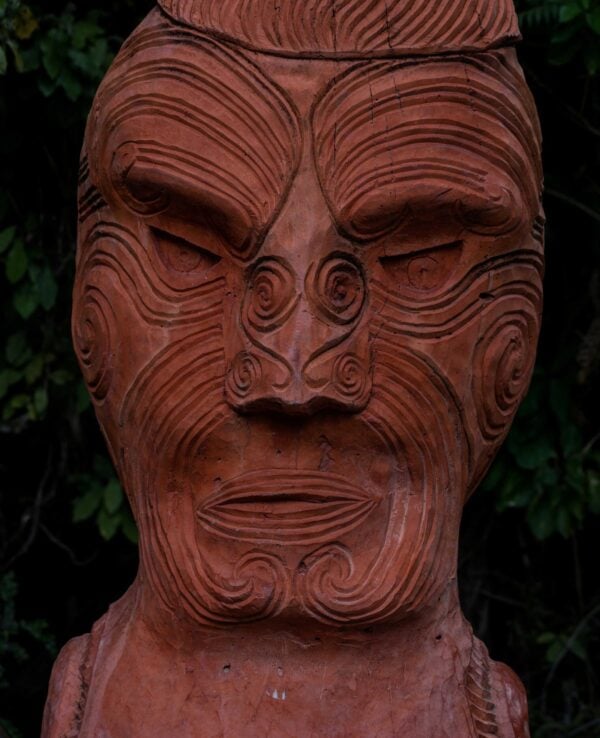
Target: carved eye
178	255
339	288
426	271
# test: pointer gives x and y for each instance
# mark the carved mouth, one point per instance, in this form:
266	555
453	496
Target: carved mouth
286	507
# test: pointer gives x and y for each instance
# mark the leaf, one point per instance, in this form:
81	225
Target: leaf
571	439
533	455
47	288
61	377
555	650
40	400
82	398
570	11
541	519
16	263
16	403
593	492
70	85
6	237
25	302
545	638
3	61
51	58
33	370
129	528
46	87
17	351
593	20
108	524
102	467
83	31
576	647
113	496
86	505
8	377
25	23
592	59
563	522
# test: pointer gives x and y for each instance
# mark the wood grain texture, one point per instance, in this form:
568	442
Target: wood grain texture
353	27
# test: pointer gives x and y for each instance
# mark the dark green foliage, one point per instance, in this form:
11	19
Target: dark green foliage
530	541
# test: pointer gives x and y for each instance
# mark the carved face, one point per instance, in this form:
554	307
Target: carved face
307	305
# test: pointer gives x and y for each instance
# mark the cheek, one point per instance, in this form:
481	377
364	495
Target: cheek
134	332
490	363
480	334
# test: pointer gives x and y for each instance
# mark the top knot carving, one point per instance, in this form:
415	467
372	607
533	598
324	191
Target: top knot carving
353	28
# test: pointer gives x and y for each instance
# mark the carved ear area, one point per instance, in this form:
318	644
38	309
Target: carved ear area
426	270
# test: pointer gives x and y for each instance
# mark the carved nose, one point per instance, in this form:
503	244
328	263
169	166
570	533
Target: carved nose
299	344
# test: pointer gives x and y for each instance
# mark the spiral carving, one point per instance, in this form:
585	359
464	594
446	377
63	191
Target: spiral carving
244	373
271	296
327	570
504	362
266	586
349	376
339	289
94	342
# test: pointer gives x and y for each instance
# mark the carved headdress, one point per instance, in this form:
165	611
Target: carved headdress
353	28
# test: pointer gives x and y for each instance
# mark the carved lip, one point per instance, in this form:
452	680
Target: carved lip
286	507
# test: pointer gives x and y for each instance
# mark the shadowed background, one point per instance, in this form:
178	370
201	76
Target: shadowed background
529	552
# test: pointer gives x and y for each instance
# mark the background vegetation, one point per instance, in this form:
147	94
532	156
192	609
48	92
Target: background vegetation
530	555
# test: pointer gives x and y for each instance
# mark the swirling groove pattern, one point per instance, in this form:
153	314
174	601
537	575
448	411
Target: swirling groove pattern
241	131
405	411
385	107
117	250
243	375
353	28
271	296
460	305
94	335
504	362
349	376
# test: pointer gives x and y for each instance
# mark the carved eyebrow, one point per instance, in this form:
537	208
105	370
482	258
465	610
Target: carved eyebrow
201	119
465	201
383	129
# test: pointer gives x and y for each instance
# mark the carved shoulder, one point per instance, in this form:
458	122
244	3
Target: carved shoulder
516	698
66	695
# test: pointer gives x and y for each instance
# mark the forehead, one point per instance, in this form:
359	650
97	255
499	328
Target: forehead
379	132
170	62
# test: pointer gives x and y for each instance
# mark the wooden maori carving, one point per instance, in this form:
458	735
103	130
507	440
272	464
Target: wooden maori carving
307	304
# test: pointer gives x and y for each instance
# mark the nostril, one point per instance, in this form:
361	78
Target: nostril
244	374
350	377
273	405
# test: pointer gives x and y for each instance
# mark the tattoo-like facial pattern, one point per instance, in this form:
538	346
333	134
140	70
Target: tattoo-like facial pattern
305	335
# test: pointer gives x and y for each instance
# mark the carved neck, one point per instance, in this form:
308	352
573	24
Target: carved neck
410	666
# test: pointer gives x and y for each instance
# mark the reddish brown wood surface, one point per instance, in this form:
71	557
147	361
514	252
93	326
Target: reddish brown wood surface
307	305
